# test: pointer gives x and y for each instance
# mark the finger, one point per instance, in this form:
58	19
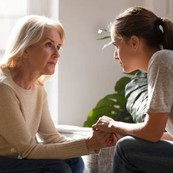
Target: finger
94	127
115	138
98	121
110	142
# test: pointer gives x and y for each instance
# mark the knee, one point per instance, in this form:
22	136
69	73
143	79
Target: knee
57	166
76	164
125	144
66	169
80	163
126	140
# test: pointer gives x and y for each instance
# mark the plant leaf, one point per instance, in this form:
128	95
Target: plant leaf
136	92
103	38
112	105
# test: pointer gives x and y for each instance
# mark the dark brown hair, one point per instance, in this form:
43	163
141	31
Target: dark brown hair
144	23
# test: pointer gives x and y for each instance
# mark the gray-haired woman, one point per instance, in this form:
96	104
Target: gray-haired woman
31	55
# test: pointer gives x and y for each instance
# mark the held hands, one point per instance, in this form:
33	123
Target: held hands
105	124
104	134
100	139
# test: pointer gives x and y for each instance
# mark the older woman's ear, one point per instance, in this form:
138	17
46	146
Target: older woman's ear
26	52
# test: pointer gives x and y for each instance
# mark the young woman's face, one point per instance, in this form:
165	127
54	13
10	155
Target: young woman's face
42	57
125	54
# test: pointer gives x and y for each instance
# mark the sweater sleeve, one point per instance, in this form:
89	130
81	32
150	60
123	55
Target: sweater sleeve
14	132
47	131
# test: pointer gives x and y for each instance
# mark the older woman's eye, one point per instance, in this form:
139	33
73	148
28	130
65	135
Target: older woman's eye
49	44
58	47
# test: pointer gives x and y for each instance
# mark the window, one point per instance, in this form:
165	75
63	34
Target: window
8	17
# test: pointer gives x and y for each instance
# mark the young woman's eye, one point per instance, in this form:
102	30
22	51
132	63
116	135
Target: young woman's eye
114	43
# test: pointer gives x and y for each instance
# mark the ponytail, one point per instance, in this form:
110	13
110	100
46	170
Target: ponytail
157	32
167	41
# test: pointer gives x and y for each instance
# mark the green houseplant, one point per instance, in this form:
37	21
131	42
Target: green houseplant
128	103
136	92
112	105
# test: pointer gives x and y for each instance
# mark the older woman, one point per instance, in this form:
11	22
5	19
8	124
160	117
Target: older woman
31	55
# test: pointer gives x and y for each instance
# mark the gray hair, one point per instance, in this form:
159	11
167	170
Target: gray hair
28	31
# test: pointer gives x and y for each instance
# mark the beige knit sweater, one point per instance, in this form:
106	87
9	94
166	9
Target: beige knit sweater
25	113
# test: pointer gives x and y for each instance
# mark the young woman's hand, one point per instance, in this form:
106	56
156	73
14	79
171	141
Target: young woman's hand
105	124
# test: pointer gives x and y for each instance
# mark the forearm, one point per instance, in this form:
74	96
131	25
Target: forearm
132	129
151	129
167	136
139	130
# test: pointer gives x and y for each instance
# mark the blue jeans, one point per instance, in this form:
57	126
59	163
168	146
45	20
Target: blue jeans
133	155
13	165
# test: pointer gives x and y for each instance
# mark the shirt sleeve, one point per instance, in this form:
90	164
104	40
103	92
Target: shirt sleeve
160	84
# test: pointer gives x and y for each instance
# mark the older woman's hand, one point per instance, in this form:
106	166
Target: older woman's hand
100	139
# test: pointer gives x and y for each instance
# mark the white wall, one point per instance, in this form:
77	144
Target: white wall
86	73
160	7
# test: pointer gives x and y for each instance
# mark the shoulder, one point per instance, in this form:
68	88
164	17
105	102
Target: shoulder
160	68
7	93
161	59
4	78
162	56
7	86
3	75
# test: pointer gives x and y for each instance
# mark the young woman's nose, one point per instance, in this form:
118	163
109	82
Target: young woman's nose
115	54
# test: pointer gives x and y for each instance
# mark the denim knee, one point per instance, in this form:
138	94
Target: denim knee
123	153
128	148
125	142
76	164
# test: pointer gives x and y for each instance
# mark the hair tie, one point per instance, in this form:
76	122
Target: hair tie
159	23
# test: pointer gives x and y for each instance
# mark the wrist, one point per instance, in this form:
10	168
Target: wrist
112	127
89	145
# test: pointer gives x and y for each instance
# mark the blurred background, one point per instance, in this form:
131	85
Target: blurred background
85	73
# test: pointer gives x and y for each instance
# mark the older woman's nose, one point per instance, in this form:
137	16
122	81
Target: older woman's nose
56	53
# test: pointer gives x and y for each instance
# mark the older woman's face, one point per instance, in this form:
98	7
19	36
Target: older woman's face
42	57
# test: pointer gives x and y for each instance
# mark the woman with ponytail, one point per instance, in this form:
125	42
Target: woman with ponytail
144	41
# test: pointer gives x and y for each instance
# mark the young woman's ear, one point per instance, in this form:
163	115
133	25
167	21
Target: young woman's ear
134	40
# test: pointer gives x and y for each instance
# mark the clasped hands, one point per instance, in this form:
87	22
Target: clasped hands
103	134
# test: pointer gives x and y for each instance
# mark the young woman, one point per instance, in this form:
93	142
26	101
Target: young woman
31	55
144	41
